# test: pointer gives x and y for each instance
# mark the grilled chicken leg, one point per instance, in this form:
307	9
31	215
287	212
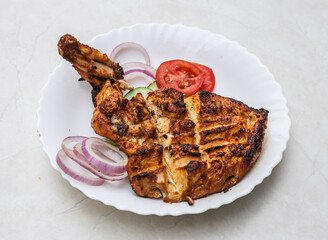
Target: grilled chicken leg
93	66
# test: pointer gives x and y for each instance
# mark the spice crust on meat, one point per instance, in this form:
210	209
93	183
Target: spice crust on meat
179	149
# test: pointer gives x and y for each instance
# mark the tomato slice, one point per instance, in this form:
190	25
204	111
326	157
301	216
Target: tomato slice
209	80
181	75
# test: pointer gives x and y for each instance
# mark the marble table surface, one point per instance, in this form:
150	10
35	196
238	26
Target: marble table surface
290	37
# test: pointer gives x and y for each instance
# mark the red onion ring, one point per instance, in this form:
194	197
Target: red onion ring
77	172
104	157
79	153
134	65
69	151
139	70
126	45
80	159
138	74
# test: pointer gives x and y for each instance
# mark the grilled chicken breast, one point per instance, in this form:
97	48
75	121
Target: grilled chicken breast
179	149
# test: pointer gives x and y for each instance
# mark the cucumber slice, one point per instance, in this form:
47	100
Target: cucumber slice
143	90
153	86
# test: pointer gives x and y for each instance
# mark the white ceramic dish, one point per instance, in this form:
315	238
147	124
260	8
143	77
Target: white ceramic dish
65	107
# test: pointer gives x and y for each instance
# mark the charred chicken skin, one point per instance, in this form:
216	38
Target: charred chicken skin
92	65
179	149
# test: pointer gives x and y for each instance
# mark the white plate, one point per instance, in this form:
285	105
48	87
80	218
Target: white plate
65	107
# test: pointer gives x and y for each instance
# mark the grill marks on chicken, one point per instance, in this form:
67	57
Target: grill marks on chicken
230	137
209	142
179	149
176	134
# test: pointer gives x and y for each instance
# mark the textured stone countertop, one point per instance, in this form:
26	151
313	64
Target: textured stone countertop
290	37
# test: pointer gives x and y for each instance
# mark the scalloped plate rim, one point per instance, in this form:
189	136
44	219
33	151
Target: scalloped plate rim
193	210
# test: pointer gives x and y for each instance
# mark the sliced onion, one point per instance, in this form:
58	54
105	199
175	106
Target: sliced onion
139	70
77	155
126	45
138	74
114	177
69	150
80	159
134	65
104	157
77	172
